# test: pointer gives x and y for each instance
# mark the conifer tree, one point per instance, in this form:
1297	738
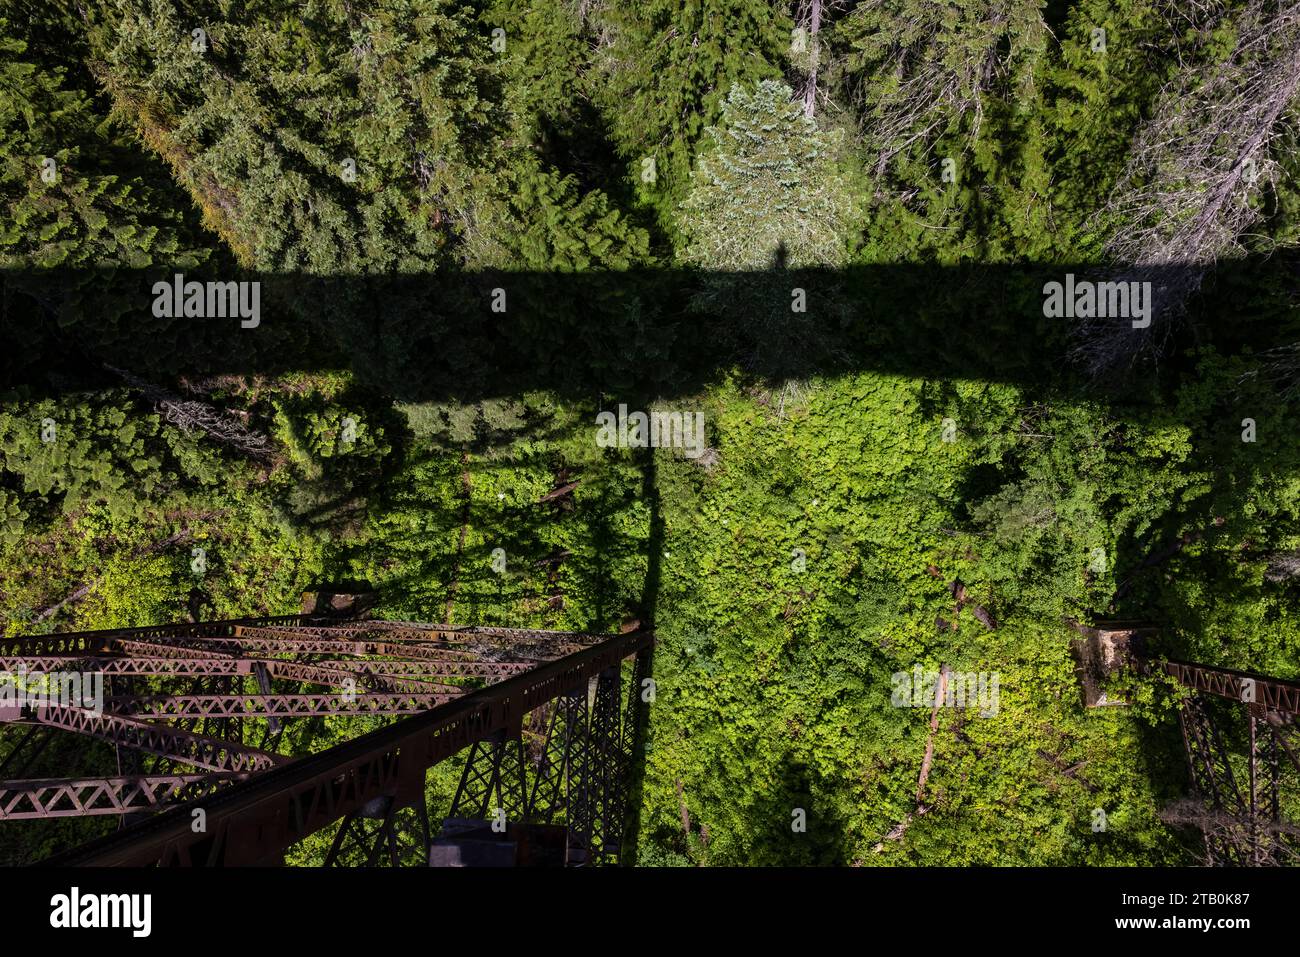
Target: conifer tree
939	89
664	73
348	137
768	196
73	191
64	455
550	226
80	202
544	47
374	137
769	189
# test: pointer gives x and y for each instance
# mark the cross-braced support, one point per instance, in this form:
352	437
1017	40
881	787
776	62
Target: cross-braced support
1212	778
492	784
560	788
1237	730
382	834
609	769
581	774
495	786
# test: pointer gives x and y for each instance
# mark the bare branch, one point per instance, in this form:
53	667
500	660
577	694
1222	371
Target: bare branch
191	414
1196	170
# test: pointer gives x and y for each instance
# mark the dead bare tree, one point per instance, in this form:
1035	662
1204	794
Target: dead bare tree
1283	566
1195	17
191	414
898	830
1196	168
1278	369
810	18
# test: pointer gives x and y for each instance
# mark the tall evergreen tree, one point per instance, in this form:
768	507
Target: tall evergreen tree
665	72
80	203
547	224
73	189
939	89
770	195
769	188
351	136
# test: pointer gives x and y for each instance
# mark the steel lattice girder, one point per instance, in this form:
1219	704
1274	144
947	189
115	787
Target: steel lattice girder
391	831
330	674
546	797
258	819
582	771
368	643
241	647
577	769
273	705
335	674
1210	768
90	641
568	640
374	630
296	627
165	648
1239	826
218	664
1274	694
608	775
184	746
305	649
419	632
137	665
81	797
440	669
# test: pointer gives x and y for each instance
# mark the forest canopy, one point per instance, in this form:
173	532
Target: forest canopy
826	227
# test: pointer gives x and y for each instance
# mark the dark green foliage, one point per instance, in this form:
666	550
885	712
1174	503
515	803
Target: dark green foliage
879	494
662	79
72	192
260	114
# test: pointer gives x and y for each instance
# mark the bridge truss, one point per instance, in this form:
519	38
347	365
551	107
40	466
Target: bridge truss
196	719
1241	737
